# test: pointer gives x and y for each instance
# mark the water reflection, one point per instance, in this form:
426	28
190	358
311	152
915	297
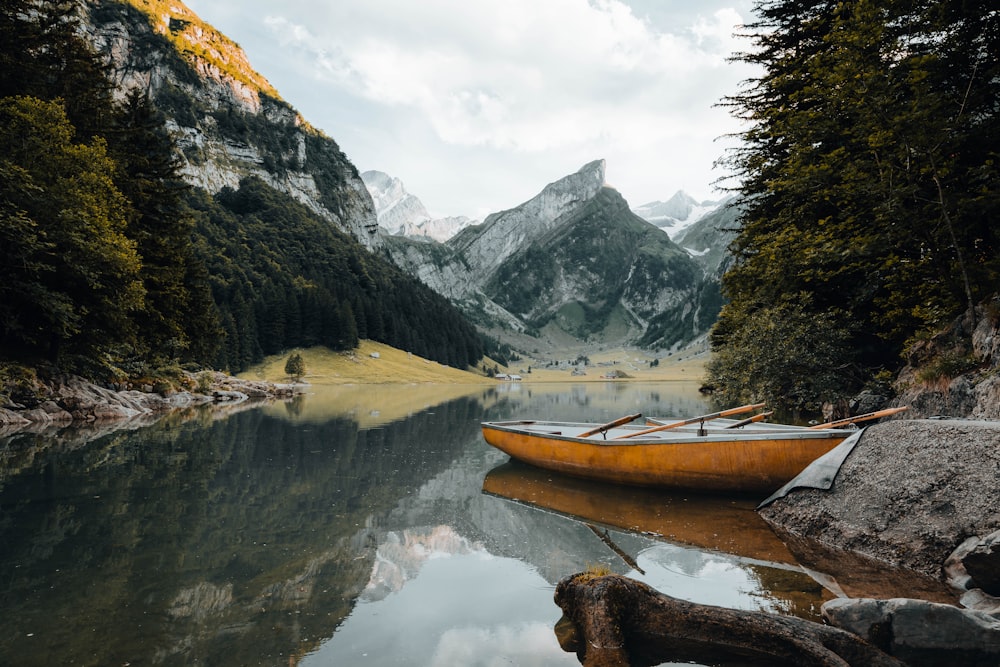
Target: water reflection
347	524
179	543
463	609
712	550
719	523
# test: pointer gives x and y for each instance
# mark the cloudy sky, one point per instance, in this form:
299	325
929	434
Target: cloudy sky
477	104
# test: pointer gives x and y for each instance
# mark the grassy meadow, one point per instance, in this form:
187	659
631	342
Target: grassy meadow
376	363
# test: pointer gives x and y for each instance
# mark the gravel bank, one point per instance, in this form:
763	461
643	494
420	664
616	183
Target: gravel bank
908	495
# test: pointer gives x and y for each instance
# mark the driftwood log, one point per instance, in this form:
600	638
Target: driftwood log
621	622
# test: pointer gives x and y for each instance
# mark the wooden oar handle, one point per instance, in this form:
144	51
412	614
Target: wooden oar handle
861	418
604	427
751	420
694	420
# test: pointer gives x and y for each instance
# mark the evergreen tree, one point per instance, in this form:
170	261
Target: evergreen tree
161	226
868	174
295	367
259	241
71	283
44	55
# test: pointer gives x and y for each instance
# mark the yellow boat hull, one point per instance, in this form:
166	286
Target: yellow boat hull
734	462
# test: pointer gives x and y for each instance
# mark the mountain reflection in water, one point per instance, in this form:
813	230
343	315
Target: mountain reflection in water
348	525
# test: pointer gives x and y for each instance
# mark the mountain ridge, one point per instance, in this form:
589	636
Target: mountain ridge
574	263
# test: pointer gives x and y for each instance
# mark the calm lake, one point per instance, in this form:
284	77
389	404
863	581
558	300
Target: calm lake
364	525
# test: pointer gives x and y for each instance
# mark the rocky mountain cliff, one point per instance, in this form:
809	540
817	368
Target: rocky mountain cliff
403	214
573	264
228	120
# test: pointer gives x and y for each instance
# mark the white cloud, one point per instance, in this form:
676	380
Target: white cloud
529	645
474	104
518	74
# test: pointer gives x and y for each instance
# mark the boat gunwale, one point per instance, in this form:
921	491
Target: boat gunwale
680	435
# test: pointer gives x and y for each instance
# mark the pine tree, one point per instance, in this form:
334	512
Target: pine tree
295	367
161	226
868	169
73	283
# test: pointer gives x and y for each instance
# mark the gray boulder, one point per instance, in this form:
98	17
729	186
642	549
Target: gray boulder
982	563
920	633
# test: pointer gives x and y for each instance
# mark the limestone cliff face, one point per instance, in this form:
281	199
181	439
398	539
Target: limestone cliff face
228	121
502	234
573	261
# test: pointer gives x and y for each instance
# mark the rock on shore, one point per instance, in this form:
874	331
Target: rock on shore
71	399
975	393
922	495
909	494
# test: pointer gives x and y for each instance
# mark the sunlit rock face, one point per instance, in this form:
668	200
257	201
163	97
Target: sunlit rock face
227	120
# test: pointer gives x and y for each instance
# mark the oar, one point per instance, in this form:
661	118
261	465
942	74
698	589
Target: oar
694	420
603	428
752	420
862	418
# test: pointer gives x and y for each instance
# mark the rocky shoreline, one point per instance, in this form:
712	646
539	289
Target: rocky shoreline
72	400
906	535
919	495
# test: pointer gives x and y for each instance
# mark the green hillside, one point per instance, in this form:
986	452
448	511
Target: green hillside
112	266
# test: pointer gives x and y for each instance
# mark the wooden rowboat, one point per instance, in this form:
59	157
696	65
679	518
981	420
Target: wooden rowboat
723	456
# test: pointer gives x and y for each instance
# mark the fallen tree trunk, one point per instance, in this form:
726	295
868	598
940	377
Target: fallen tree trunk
621	622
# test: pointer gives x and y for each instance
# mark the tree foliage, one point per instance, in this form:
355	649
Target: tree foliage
783	355
101	266
868	173
108	258
284	277
70	272
295	367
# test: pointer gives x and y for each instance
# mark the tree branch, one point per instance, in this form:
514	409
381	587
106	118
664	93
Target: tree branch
621	622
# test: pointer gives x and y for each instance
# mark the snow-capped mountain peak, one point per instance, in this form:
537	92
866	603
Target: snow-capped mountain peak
402	214
676	214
